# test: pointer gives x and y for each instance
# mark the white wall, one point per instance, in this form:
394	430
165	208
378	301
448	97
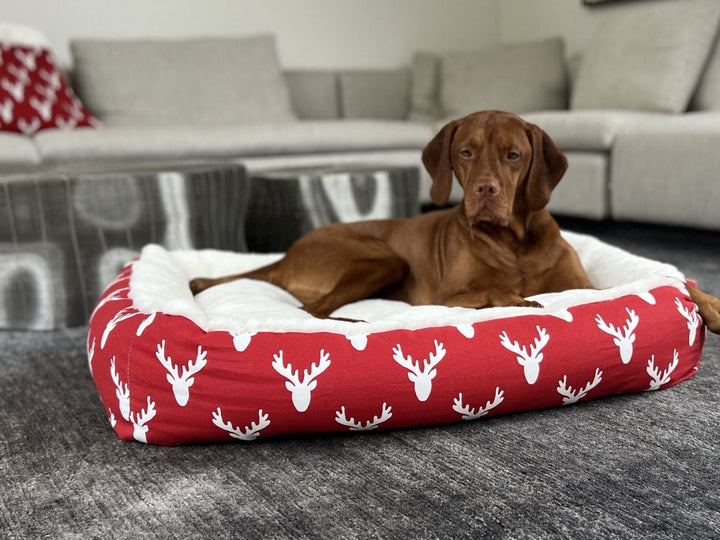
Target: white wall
522	20
310	33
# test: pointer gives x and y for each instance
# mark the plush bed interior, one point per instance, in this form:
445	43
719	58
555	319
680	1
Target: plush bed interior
159	283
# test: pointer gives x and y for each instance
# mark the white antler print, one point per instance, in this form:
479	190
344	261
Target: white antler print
625	336
139	428
422	378
91	355
52	78
48	93
181	383
122	391
693	320
300	390
28	59
570	395
64	124
123	315
28	128
43	108
659	378
529	360
21	74
117	294
120	316
7	108
16	89
248	433
341	418
472	414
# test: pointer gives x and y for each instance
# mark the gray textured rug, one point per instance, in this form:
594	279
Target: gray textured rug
645	465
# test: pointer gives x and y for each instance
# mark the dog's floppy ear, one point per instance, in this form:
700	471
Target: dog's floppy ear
436	158
547	168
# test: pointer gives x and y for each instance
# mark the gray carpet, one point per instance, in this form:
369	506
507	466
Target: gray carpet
639	466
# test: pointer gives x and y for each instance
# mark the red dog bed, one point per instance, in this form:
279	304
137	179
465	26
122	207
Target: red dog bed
241	361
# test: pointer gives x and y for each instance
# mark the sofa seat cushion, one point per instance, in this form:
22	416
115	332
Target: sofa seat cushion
585	130
180	82
198	142
666	171
17	152
244	346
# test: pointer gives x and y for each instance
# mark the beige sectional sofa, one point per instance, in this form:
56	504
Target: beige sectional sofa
638	114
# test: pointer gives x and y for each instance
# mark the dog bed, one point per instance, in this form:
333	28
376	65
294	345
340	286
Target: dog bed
241	360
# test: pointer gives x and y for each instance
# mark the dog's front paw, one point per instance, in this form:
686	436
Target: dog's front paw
530	303
198	285
708	306
710	312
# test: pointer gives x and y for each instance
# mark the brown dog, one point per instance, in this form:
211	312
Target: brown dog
497	248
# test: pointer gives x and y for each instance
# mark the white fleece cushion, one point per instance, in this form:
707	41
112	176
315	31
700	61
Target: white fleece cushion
159	284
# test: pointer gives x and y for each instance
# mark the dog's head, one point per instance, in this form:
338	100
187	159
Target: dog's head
506	166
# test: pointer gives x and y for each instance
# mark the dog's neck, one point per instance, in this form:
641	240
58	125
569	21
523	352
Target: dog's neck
535	228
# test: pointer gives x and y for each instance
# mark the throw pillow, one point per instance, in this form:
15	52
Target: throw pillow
425	88
379	93
204	81
647	56
517	77
33	93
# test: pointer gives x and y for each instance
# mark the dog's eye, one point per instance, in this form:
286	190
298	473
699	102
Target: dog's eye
513	156
466	153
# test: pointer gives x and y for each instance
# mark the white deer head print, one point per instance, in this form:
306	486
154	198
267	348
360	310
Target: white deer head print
693	320
181	383
529	360
300	390
421	377
625	336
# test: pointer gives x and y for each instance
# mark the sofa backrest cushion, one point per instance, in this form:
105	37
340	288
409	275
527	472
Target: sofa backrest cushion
377	93
425	87
707	93
205	81
313	93
516	77
647	56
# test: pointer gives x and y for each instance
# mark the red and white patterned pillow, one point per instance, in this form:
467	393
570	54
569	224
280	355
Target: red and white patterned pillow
241	361
33	93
